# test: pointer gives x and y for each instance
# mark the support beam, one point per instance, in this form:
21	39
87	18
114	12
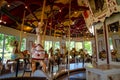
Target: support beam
33	15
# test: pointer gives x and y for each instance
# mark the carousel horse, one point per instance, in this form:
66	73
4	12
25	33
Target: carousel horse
51	60
38	55
15	56
13	62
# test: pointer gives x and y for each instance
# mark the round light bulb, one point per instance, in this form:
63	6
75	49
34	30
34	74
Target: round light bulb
0	20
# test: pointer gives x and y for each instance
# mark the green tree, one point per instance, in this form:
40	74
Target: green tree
1	40
8	41
88	47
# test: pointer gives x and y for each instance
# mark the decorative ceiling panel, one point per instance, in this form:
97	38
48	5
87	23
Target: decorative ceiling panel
56	15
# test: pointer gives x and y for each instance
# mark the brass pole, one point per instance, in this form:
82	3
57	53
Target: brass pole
69	38
44	34
21	32
39	34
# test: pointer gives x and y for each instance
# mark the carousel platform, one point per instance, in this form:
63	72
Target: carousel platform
76	71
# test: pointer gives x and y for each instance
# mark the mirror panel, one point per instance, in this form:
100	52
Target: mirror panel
100	42
114	41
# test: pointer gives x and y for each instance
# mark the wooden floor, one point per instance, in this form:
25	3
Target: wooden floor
79	75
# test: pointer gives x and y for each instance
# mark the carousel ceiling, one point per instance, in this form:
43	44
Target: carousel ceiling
56	17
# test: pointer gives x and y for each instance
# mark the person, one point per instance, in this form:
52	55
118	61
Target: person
38	71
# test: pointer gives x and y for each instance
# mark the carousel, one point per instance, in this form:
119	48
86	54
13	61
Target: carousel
64	21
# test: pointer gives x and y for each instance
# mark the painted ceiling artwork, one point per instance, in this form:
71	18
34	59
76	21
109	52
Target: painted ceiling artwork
56	17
